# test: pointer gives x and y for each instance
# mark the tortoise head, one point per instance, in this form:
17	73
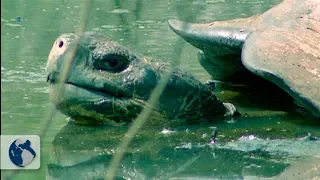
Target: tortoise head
107	83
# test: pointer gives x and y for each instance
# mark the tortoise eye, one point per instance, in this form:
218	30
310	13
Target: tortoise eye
112	63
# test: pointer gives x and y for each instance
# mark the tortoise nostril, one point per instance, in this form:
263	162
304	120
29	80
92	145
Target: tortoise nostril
60	44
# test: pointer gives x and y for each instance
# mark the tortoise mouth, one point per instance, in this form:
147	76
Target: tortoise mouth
78	93
93	91
106	91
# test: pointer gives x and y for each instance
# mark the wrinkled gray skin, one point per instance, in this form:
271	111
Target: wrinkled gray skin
108	83
279	47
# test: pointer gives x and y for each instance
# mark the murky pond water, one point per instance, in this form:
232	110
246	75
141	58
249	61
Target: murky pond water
264	145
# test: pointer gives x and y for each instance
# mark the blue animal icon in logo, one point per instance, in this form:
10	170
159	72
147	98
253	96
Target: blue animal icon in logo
21	153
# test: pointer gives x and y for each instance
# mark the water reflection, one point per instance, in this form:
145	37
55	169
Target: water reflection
183	152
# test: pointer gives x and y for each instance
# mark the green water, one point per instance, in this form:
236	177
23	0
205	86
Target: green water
29	29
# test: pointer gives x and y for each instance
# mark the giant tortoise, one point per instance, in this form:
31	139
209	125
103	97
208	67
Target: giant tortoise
281	46
107	83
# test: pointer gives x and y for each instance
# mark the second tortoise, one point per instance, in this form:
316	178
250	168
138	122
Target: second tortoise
280	46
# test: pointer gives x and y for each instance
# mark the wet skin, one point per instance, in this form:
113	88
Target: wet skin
107	83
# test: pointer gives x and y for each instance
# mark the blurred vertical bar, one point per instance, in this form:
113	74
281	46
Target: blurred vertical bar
67	63
142	118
